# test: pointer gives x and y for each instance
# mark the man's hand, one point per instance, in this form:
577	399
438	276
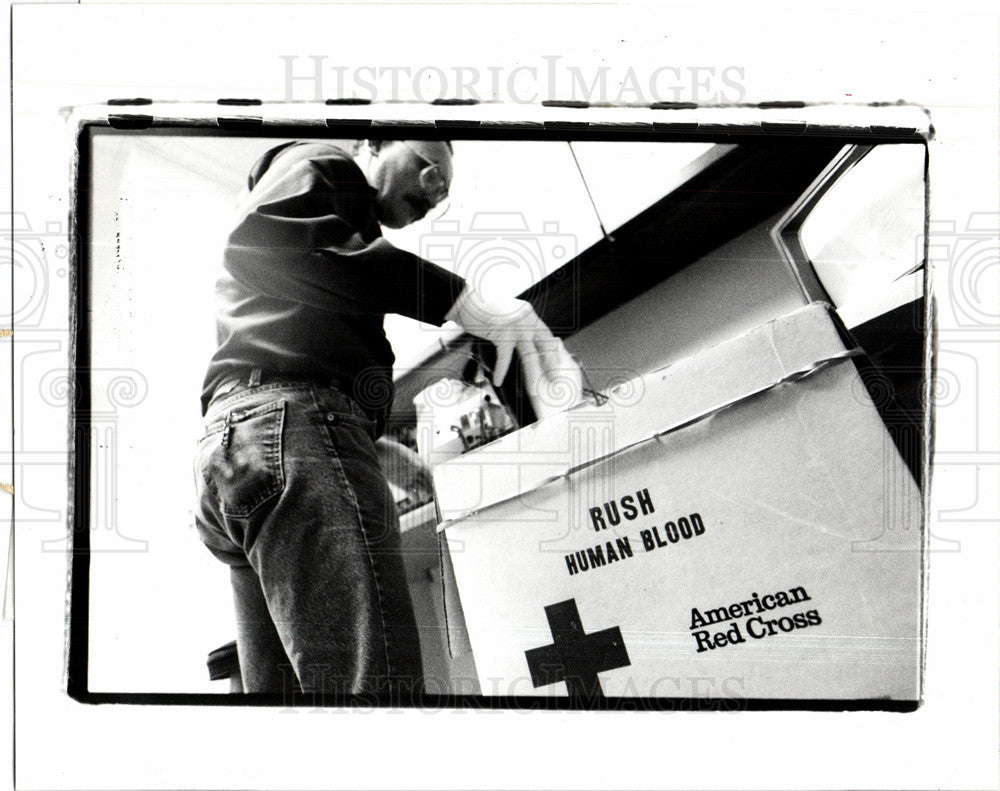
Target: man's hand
405	470
510	324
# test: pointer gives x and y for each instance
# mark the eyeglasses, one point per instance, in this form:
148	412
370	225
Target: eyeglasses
432	181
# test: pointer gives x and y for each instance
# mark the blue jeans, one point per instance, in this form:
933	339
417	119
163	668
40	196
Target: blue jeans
291	497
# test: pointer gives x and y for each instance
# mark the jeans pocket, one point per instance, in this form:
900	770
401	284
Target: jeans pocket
240	458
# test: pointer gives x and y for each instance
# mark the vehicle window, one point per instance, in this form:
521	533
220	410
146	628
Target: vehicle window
864	237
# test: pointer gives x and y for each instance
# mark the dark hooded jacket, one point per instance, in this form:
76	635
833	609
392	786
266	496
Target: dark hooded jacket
309	278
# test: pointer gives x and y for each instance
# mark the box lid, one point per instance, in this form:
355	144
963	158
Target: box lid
640	410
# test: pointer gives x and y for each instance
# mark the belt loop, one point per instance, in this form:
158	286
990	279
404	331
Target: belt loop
255	375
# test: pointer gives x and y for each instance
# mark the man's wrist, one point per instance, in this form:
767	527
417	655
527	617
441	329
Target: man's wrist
458	307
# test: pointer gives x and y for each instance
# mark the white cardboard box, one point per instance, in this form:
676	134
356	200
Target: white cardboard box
768	542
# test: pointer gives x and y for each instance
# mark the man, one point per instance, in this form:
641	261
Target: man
290	493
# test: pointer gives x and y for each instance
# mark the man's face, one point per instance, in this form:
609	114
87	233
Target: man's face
401	196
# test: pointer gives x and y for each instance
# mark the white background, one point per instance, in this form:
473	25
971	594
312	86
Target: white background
943	60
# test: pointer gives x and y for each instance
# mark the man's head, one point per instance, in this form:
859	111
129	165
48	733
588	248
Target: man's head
410	178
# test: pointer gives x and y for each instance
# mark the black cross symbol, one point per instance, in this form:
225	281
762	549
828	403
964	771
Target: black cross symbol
574	656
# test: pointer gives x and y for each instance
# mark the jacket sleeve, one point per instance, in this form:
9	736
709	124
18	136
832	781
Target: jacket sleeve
303	239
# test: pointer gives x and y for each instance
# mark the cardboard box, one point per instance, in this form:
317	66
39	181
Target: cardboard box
443	672
738	524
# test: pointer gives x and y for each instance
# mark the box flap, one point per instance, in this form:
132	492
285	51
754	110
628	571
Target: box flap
640	410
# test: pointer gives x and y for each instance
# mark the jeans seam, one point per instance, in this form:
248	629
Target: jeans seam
364	538
216	425
353	410
239	395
